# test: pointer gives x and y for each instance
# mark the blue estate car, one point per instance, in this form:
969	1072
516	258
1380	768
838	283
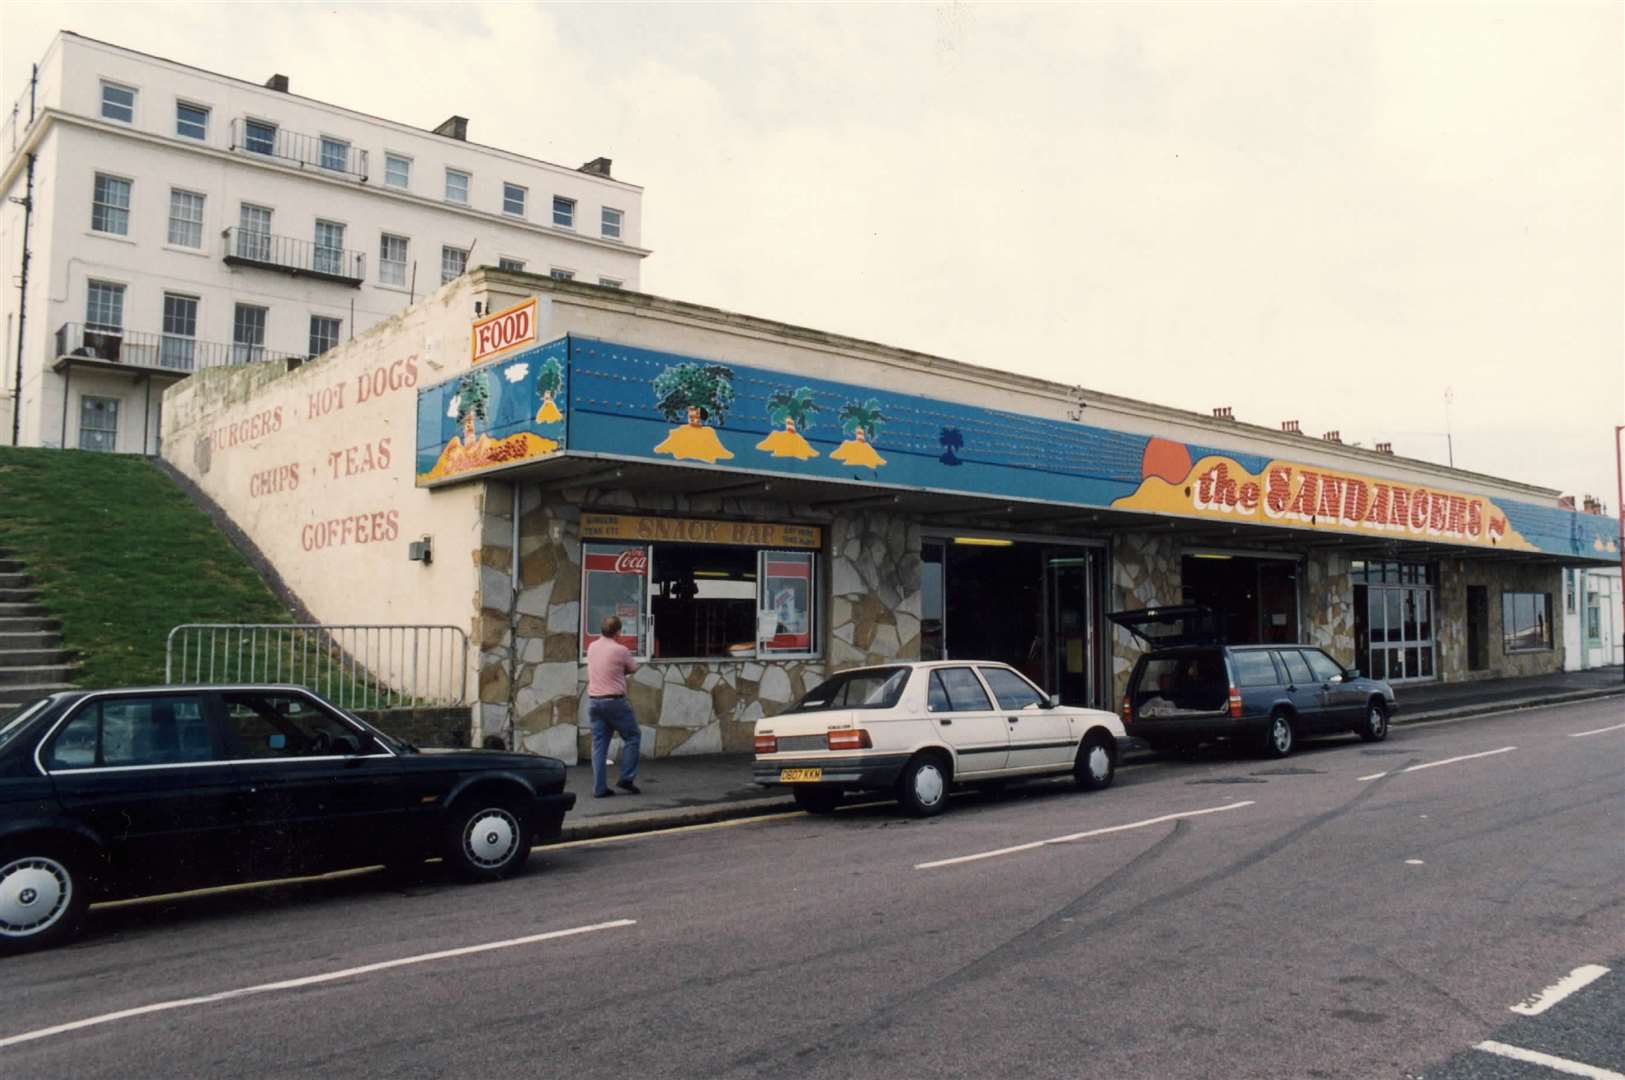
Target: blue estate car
107	794
1192	687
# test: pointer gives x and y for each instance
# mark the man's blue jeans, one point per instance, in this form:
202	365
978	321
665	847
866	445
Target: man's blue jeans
613	716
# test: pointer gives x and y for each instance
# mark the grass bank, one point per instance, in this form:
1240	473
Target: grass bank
121	555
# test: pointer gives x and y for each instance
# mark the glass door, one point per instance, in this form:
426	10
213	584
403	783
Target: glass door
1400	625
1070	629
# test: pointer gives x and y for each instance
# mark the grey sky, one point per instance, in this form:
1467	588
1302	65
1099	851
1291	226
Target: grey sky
1321	212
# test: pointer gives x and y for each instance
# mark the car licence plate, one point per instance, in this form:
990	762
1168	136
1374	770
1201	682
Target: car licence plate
800	776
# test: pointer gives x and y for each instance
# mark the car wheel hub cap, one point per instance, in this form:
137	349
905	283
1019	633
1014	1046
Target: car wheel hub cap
491	838
1100	763
1376	720
34	893
1283	734
928	785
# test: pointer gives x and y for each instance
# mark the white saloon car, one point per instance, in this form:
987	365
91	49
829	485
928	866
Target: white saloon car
917	729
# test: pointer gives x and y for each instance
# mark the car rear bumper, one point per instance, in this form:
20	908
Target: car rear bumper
1195	727
547	819
859	771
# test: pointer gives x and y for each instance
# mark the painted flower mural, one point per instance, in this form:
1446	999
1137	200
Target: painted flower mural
861	421
694	395
549	379
790	412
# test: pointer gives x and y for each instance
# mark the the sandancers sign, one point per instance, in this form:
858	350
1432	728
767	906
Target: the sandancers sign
1300	496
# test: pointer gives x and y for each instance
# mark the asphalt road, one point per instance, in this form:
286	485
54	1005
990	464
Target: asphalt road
1341	924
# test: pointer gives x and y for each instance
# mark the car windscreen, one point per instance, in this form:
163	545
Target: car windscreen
866	688
14	717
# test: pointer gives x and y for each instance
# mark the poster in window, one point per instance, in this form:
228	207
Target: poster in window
616	583
786	595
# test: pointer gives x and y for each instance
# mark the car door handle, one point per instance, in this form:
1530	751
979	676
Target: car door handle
1013	719
946	723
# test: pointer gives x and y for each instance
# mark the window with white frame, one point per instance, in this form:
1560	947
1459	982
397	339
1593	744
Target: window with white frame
118	103
185	218
259	137
180	332
329	250
191	121
610	223
516	265
457	186
98	424
561	274
254	232
564	212
335	154
392	259
248	333
609	283
513	200
453	261
110	207
397	171
104	307
324	333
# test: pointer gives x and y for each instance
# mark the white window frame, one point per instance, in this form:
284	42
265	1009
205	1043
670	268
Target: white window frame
445	249
391	158
327	258
524	199
468	186
121	289
561	273
512	265
275	131
126	209
202	206
249	351
400	264
814	622
570	213
112	446
184	344
102	104
310	335
611	283
603	223
322	143
208	114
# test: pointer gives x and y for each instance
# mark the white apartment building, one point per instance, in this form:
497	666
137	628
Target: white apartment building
178	219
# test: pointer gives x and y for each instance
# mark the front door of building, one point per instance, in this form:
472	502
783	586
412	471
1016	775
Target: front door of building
1069	633
1478	627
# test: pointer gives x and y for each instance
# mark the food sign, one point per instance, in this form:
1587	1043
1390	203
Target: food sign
502	330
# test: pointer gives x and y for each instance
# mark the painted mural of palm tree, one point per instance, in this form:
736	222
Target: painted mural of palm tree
861	421
694	395
473	403
791	414
549	380
951	440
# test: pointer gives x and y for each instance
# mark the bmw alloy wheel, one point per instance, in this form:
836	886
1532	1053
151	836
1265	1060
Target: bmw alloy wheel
35	892
490	838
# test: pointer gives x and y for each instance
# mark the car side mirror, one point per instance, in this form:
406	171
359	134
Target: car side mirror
1351	674
1053	701
346	745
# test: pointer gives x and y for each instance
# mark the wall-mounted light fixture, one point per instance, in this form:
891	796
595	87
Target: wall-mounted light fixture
421	550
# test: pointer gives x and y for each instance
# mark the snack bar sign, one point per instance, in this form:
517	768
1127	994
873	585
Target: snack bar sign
698	531
500	331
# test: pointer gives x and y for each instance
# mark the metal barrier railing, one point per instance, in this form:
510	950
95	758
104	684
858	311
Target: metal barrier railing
294	254
307	151
170	352
357	666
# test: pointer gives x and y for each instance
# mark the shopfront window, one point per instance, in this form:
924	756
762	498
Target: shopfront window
696	601
1526	621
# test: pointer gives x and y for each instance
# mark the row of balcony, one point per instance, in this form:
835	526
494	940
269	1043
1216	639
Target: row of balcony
306	151
157	352
296	256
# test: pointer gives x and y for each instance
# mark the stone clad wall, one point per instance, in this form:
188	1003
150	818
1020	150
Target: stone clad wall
1450	621
1146	572
1327	619
533	686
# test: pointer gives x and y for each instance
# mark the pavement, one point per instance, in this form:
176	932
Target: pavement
703	788
1354	911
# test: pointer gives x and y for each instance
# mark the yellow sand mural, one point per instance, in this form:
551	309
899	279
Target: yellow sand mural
697	394
1298	496
549	379
794	411
861	421
459	457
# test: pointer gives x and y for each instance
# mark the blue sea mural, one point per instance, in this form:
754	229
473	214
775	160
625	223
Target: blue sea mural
494	415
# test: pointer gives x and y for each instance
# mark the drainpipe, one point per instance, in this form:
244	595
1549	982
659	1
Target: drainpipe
22	304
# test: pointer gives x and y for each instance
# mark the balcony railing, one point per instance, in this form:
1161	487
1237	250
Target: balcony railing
248	247
157	352
292	147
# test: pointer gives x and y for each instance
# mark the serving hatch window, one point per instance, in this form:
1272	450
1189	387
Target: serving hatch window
702	601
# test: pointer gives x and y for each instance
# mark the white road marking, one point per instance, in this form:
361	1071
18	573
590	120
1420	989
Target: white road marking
1578	979
308	980
1446	761
1414	862
1375	776
1080	836
1556	1064
1596	731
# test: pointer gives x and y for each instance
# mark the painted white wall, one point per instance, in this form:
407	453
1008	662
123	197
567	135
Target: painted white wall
72	142
1583	589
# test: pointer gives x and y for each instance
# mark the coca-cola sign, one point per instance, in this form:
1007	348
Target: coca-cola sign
632	561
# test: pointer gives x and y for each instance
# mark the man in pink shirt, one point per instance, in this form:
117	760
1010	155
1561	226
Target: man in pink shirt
608	664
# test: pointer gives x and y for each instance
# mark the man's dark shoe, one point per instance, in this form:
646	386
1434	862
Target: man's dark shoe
629	787
602	794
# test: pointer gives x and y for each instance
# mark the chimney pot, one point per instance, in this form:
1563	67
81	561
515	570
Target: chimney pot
1291	426
1223	412
1333	436
1385	448
278	83
454	127
598	166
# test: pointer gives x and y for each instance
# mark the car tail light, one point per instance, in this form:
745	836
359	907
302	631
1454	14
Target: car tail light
767	744
1235	703
853	739
1128	710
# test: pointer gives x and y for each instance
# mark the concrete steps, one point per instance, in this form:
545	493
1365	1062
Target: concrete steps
33	660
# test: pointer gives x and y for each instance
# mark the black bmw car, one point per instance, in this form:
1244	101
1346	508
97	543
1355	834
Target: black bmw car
108	794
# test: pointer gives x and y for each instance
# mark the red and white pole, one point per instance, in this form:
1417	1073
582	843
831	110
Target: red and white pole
1619	511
